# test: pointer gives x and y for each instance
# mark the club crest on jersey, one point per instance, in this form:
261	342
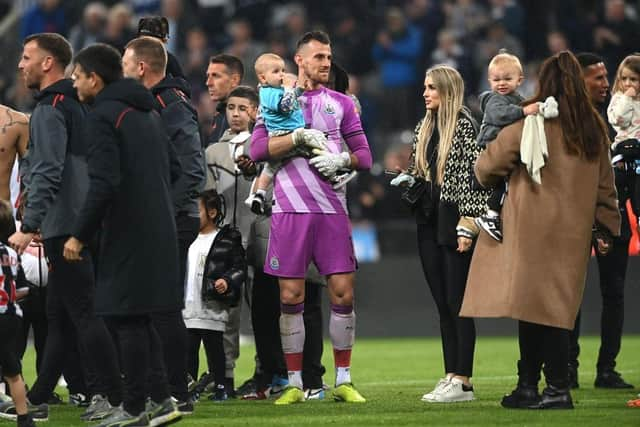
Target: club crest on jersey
329	109
274	263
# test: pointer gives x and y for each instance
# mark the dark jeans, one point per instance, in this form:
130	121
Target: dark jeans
141	359
613	269
70	308
170	326
265	317
446	272
214	349
544	347
34	316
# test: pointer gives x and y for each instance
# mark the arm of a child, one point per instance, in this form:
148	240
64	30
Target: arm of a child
288	102
237	272
620	111
500	112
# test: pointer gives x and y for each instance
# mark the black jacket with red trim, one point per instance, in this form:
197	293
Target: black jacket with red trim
129	197
181	122
54	172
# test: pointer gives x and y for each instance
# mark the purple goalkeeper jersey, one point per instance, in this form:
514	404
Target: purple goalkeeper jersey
298	187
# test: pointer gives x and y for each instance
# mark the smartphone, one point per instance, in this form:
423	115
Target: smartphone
391	172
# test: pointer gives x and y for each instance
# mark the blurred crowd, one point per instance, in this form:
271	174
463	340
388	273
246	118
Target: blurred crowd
385	45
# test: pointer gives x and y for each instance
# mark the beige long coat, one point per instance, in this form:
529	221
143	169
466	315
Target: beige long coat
537	274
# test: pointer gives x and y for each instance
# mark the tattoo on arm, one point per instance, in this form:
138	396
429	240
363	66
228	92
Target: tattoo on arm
13	119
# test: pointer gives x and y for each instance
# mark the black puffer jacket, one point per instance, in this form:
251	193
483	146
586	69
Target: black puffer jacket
226	260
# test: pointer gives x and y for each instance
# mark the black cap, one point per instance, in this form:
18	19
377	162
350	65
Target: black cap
154	26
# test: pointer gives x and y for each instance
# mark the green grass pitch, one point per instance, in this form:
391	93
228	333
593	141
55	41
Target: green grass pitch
394	373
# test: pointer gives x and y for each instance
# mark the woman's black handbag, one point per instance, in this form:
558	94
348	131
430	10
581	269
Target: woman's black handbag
420	197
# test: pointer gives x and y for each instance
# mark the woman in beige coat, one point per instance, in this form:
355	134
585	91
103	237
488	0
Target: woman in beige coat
537	274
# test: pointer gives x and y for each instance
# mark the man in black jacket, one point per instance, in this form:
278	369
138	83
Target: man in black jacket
613	266
144	59
224	74
129	198
56	184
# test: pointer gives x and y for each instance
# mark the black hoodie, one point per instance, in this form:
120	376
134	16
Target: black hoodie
171	100
129	198
54	171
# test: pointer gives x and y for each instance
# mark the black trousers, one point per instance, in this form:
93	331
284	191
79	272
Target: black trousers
214	349
141	360
544	347
70	308
497	195
9	358
613	269
170	325
446	272
265	319
34	316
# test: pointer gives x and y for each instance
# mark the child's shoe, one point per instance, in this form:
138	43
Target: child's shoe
491	224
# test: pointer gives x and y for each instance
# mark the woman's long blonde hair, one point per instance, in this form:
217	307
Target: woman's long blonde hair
450	87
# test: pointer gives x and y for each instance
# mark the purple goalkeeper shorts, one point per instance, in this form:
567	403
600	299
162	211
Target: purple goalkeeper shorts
299	238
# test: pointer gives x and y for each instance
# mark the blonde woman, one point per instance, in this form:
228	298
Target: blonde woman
439	188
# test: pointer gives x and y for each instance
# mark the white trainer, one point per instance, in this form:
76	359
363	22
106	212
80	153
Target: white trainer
455	391
430	397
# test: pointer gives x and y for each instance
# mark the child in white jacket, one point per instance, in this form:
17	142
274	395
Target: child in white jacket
624	108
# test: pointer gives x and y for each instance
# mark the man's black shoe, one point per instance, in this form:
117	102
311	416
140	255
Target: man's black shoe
521	398
554	398
611	379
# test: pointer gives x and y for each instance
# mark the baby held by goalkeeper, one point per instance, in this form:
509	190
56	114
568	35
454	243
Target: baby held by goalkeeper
282	115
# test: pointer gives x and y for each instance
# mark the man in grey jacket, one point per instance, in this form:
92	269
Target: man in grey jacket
56	182
145	60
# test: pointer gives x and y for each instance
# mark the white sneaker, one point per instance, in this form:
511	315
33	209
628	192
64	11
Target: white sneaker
454	392
430	397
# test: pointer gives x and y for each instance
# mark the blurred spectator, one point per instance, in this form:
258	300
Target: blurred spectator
429	17
180	21
243	46
450	52
141	8
19	96
89	30
557	42
616	35
511	14
292	20
195	59
466	18
351	43
487	47
257	13
213	17
371	196
396	51
277	43
47	16
119	28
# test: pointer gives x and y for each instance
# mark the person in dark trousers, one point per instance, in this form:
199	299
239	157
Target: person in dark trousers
56	184
144	59
13	286
129	199
613	266
224	73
